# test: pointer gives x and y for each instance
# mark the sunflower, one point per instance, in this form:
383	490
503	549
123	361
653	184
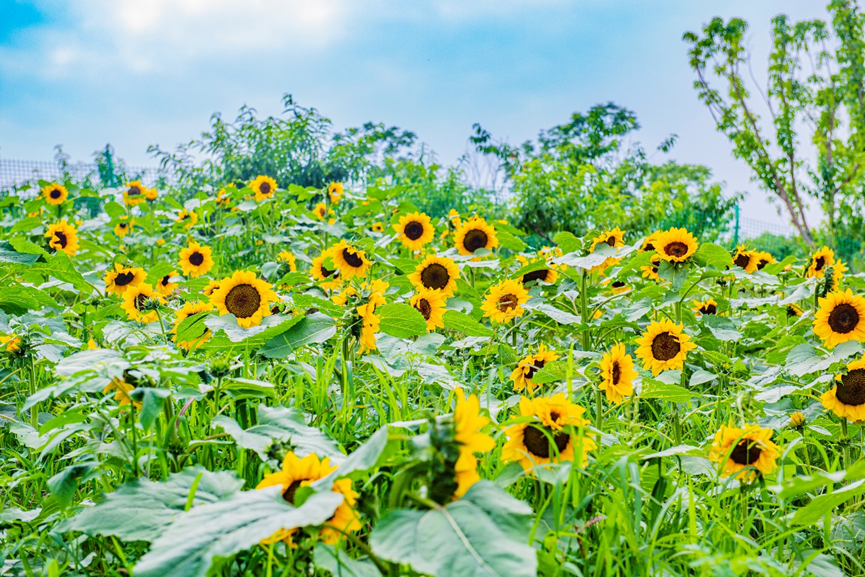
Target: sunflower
618	374
264	187
335	191
195	260
475	234
211	286
468	424
121	392
288	258
188	217
55	194
847	398
664	346
63	237
348	260
614	238
738	449
321	273
431	304
505	300
245	296
649	243
320	211
745	259
124	227
841	318
134	299
191	308
617	286
820	260
545	275
134	193
838	273
544	439
12	343
370	326
120	279
675	245
436	273
377	227
296	473
706	307
651	271
763	258
414	230
528	366
151	194
164	286
794	311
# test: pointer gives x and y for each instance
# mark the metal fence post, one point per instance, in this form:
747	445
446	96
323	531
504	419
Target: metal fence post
736	229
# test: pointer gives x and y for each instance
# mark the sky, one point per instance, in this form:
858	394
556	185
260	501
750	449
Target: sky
83	73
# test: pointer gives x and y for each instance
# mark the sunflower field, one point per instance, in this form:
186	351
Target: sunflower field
246	379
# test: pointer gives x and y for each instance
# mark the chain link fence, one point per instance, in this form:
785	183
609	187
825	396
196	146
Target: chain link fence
26	174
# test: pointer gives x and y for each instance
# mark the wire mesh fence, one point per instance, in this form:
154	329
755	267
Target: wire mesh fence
26	174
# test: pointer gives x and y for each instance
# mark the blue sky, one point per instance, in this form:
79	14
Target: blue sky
138	72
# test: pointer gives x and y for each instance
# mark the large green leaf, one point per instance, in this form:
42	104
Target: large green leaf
400	320
823	505
311	329
141	509
10	255
270	327
16	299
193	542
486	533
653	389
465	324
709	254
340	564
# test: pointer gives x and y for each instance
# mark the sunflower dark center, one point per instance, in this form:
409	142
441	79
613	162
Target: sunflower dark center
676	249
649	247
352	258
741	260
61	238
709	309
196	258
424	308
538	365
665	346
475	239
264	187
819	263
139	301
746	452
243	301
618	284
851	391
611	241
507	302
538	443
164	280
124	278
413	230
133	191
435	276
122	225
763	262
56	193
535	275
844	318
326	272
289	493
617	372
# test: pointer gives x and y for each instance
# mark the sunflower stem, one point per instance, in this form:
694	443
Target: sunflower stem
599	408
34	410
161	326
846	442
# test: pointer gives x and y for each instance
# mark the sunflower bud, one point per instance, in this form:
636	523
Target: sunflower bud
220	367
797	420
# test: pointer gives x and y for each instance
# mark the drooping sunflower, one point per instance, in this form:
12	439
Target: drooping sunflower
745	259
348	260
164	286
436	273
12	343
841	318
151	194
195	260
847	398
415	230
264	187
370	326
706	307
288	257
245	296
545	275
134	193
191	308
528	366
211	286
651	271
675	245
820	260
468	424
838	272
544	439
614	238
738	449
431	304
63	236
649	243
134	299
321	273
320	211
794	311
664	346
335	191
121	392
124	226
55	194
617	374
475	234
120	279
297	473
763	258
617	286
188	218
505	301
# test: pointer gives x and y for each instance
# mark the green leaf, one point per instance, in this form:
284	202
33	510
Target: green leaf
653	389
151	400
567	242
823	505
194	541
553	372
16	299
9	254
340	564
465	324
192	327
591	260
141	509
803	359
114	209
27	224
509	241
709	254
485	533
270	327
363	458
310	329
64	484
401	320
